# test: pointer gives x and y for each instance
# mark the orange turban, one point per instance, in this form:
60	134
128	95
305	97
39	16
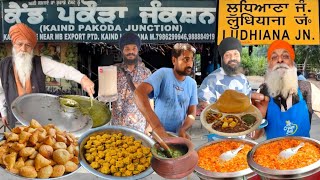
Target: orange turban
22	31
280	44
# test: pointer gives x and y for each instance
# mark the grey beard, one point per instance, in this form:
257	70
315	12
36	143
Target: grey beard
282	83
23	65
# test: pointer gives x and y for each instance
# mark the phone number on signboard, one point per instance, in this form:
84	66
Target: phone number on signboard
186	37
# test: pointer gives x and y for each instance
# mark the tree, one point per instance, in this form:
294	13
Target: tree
308	55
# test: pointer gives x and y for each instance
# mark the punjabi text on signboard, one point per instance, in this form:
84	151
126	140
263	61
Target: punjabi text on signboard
96	21
261	22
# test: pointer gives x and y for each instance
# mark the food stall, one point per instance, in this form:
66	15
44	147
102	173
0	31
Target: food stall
46	150
62	133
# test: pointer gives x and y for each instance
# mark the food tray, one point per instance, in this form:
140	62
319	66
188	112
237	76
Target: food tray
252	110
46	109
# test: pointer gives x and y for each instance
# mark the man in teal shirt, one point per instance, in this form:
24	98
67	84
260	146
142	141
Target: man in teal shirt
175	94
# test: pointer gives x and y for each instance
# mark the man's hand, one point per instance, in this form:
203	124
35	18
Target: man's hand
5	121
161	132
87	85
184	134
261	102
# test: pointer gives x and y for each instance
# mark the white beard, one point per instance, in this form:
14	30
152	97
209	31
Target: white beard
282	80
23	64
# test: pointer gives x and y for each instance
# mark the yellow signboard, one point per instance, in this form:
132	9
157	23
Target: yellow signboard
256	22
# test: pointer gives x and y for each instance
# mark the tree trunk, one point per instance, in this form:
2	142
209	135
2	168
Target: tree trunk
305	74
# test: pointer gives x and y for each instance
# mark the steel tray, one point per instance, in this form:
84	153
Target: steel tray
46	109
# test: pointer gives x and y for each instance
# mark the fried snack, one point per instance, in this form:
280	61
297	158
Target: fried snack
49	141
41	162
29	162
9	160
52	132
14	170
18	146
232	101
24	137
34	137
75	159
117	154
17	130
61	156
33	155
11	137
59	145
58	170
28	171
61	138
46	151
70	166
45	172
28	151
42	134
19	163
35	124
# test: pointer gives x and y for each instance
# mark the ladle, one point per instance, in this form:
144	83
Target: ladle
226	156
164	145
290	151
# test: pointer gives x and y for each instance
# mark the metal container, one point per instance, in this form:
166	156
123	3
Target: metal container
46	109
239	175
146	141
267	173
21	177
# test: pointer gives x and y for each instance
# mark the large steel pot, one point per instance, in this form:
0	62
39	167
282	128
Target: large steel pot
300	173
239	175
146	141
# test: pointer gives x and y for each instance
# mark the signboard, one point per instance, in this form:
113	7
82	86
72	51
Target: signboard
256	22
154	21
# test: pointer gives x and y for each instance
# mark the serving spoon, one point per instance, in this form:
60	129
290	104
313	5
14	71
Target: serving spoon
226	156
290	151
163	144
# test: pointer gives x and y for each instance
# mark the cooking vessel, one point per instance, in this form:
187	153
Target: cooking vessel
238	175
267	173
146	141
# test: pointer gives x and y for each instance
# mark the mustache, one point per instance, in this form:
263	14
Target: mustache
232	61
188	67
279	66
130	54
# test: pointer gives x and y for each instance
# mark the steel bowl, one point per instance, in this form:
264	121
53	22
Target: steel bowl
16	175
146	141
284	174
239	175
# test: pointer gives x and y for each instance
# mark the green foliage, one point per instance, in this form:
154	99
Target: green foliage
253	65
310	53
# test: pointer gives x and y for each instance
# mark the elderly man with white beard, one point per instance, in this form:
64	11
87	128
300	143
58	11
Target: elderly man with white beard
24	73
292	102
